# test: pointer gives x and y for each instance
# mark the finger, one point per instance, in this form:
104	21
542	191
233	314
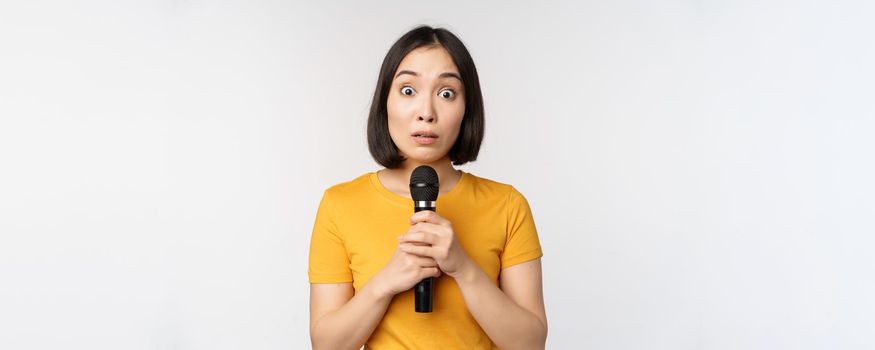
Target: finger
403	246
427	216
431	272
419	250
401	239
424	262
419	261
430	228
418	237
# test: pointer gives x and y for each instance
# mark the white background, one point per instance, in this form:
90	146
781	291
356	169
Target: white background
700	171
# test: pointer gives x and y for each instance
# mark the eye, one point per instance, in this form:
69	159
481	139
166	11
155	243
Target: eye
407	91
447	94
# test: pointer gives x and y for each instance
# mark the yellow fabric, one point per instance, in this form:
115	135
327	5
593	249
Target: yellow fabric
355	236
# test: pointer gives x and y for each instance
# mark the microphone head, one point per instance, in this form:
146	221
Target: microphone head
424	184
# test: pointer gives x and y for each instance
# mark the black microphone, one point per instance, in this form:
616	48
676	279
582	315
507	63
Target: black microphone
424	188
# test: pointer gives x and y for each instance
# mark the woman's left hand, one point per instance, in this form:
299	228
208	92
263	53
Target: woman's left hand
432	236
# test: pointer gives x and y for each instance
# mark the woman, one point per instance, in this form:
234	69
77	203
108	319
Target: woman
368	249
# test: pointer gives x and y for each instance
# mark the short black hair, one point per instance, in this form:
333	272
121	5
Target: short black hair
467	145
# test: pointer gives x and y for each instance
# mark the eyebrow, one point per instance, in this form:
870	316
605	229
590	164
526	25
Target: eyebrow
443	75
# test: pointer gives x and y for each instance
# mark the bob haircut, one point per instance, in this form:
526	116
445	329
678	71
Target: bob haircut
467	145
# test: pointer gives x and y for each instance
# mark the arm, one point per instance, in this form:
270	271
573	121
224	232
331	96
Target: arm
513	316
341	320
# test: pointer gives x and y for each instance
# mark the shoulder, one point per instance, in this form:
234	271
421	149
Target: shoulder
491	192
495	188
349	189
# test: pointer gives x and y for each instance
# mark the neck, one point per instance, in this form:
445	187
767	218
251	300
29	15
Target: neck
398	179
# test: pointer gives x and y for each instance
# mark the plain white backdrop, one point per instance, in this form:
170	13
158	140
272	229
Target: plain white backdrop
700	171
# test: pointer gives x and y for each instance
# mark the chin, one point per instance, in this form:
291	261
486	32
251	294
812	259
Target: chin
424	157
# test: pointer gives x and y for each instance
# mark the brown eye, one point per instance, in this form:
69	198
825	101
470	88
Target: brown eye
407	91
448	94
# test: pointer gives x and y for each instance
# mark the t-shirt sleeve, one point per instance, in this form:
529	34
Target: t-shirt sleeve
522	237
329	262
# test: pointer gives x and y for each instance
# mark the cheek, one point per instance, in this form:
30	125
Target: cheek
391	107
395	114
452	118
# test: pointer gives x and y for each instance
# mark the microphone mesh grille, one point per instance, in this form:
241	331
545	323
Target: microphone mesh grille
424	184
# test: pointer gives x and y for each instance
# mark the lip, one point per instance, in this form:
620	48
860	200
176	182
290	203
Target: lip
424	137
424	140
426	133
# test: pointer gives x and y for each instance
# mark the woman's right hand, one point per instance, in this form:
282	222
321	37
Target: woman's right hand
404	271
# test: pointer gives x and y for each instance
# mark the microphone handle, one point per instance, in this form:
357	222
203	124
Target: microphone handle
423	292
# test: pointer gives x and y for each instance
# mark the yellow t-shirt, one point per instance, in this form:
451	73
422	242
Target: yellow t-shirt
355	236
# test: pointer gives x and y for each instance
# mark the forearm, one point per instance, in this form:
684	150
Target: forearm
350	326
506	323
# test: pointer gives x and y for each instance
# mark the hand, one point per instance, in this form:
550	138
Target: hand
432	236
402	272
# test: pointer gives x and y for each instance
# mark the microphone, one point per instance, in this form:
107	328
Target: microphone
424	188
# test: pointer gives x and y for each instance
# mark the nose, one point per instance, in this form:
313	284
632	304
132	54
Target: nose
427	113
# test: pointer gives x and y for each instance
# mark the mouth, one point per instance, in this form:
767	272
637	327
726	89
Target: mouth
424	133
424	137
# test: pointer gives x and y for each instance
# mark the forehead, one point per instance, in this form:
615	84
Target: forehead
428	60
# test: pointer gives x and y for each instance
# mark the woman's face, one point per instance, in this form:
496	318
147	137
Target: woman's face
426	104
